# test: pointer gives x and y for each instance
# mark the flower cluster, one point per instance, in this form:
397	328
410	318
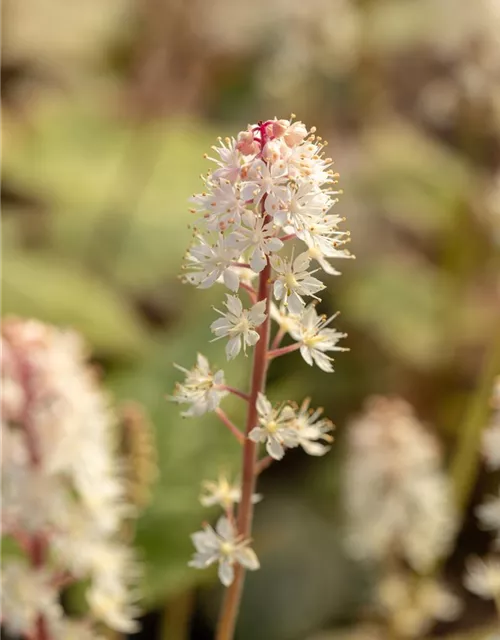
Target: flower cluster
271	186
64	494
396	489
483	575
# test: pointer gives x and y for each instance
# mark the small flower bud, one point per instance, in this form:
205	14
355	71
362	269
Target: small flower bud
280	127
247	144
295	134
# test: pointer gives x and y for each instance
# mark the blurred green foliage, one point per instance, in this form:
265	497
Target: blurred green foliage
99	165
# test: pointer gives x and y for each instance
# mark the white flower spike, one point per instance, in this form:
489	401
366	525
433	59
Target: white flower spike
271	186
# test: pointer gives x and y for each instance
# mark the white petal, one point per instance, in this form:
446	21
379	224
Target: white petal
314	448
224	528
274	448
226	572
295	303
252	338
247	558
302	262
233	347
264	407
257	313
279	289
323	361
256	435
258	261
234	305
231	280
305	352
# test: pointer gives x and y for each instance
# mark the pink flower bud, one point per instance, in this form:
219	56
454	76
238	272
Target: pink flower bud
295	134
280	127
246	143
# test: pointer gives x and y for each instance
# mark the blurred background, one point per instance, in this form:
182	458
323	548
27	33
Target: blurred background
108	107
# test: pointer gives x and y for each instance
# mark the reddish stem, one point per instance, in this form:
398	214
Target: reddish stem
235	392
278	338
232	600
229	424
275	353
263	464
251	292
229	613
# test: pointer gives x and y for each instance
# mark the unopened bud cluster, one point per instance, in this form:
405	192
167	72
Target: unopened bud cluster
64	494
271	185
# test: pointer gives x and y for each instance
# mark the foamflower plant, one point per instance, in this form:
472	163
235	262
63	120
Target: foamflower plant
265	230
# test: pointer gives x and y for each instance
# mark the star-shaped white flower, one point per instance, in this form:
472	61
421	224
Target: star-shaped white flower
310	428
239	324
269	181
222	546
210	262
258	239
293	281
275	428
315	339
202	389
223	493
230	161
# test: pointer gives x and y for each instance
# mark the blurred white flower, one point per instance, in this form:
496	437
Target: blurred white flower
222	546
239	324
310	428
202	389
412	605
489	515
483	577
26	594
64	481
222	493
397	496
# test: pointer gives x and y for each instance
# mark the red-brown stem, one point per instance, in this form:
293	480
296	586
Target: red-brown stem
282	351
263	464
229	424
230	608
251	292
235	392
278	338
37	543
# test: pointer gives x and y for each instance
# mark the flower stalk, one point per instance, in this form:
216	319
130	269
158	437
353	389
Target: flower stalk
232	600
270	185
